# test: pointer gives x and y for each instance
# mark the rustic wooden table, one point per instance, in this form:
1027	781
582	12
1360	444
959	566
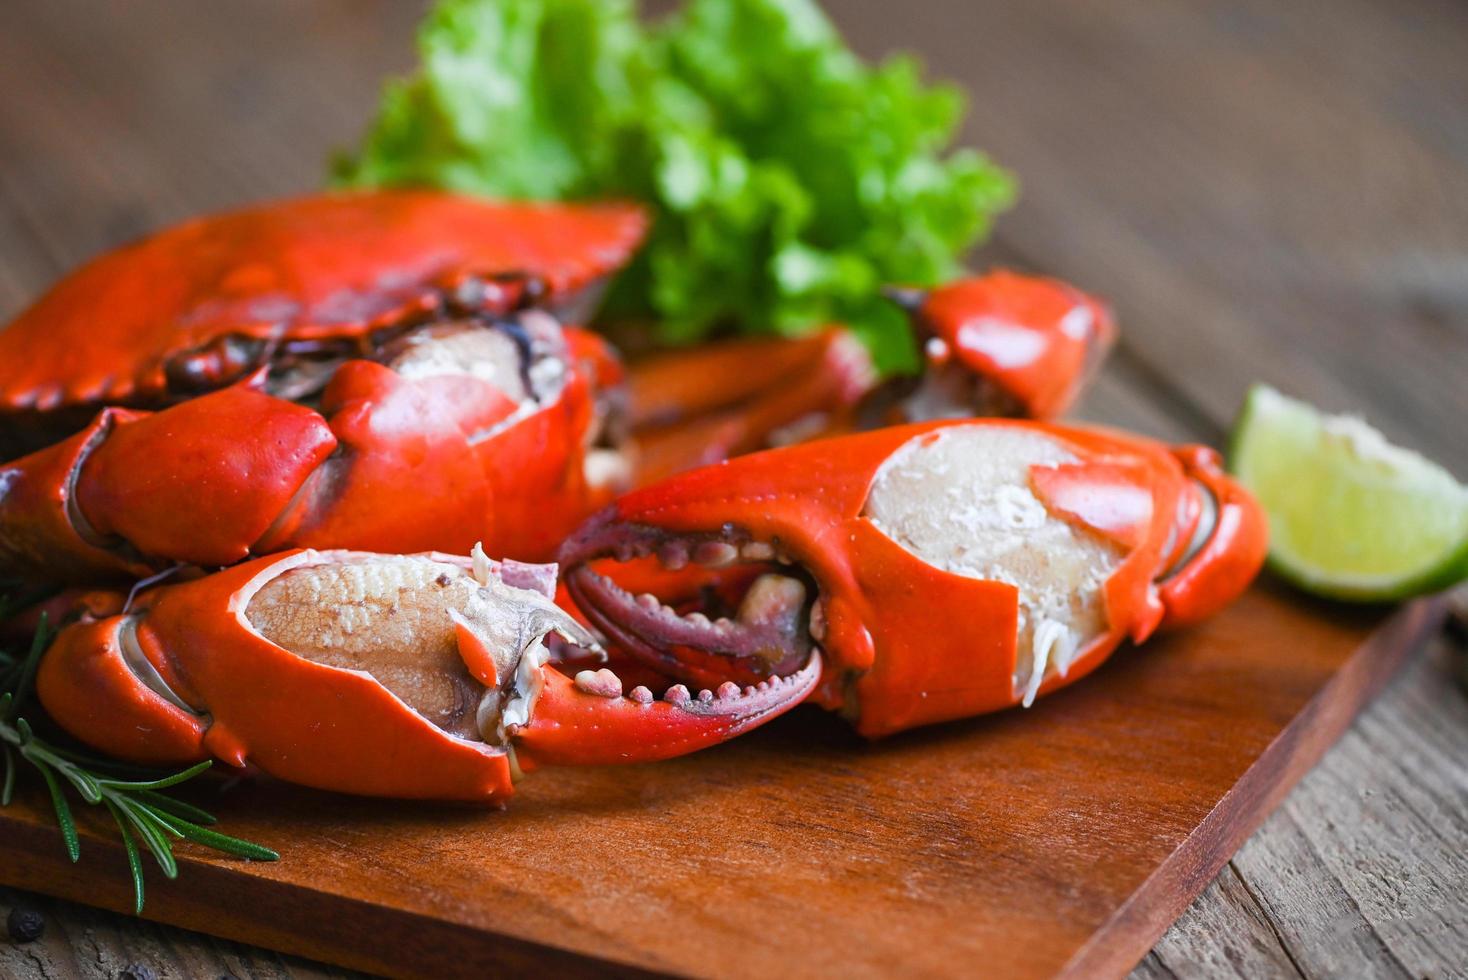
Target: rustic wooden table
1265	191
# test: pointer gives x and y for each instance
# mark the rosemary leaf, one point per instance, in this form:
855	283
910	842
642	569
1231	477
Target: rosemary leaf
134	859
175	808
218	841
101	767
23	686
63	813
7	792
131	794
147	828
35	752
163	783
85	783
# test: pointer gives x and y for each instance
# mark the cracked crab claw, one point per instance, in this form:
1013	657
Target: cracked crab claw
940	570
415	676
1003	344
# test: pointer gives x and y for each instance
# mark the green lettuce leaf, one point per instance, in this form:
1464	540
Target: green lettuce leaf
789	179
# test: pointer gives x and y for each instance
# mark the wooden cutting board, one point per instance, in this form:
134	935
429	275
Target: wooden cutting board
1061	840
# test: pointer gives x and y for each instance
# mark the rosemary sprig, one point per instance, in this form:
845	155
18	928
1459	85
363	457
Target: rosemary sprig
133	796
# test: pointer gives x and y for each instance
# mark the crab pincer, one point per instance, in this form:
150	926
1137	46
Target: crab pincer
416	676
1000	344
936	570
1003	344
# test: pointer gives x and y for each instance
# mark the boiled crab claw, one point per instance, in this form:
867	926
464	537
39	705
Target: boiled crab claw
419	676
1000	344
940	569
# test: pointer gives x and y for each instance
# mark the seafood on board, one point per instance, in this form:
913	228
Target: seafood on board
270	453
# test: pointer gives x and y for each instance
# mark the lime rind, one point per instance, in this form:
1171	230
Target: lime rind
1351	515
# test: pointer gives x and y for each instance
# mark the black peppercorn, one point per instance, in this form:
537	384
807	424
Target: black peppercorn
138	971
25	925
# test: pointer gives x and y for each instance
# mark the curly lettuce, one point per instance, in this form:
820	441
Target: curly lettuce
788	178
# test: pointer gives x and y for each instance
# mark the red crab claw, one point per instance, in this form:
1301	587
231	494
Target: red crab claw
1004	344
199	482
942	569
1000	344
429	448
1222	550
417	676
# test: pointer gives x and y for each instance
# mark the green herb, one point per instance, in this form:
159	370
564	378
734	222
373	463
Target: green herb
789	179
131	795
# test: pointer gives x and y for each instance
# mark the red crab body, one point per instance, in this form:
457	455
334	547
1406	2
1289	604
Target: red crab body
942	569
346	370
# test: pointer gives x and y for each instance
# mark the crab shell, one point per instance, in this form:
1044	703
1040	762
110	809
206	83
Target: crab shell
121	329
906	642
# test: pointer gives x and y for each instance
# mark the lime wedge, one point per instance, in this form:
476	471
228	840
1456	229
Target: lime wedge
1350	515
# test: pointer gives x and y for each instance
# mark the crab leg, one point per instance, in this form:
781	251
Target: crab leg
423	676
673	387
940	570
694	408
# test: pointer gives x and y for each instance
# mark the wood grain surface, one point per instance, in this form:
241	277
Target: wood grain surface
1263	190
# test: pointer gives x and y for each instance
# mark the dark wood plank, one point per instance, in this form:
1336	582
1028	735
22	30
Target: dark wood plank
82	943
1229	935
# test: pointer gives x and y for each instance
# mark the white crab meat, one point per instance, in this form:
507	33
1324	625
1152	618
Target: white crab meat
396	618
961	501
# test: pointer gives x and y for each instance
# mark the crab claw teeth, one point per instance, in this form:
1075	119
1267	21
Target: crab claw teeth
673	555
818	621
774	600
602	683
715	554
757	551
586	721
